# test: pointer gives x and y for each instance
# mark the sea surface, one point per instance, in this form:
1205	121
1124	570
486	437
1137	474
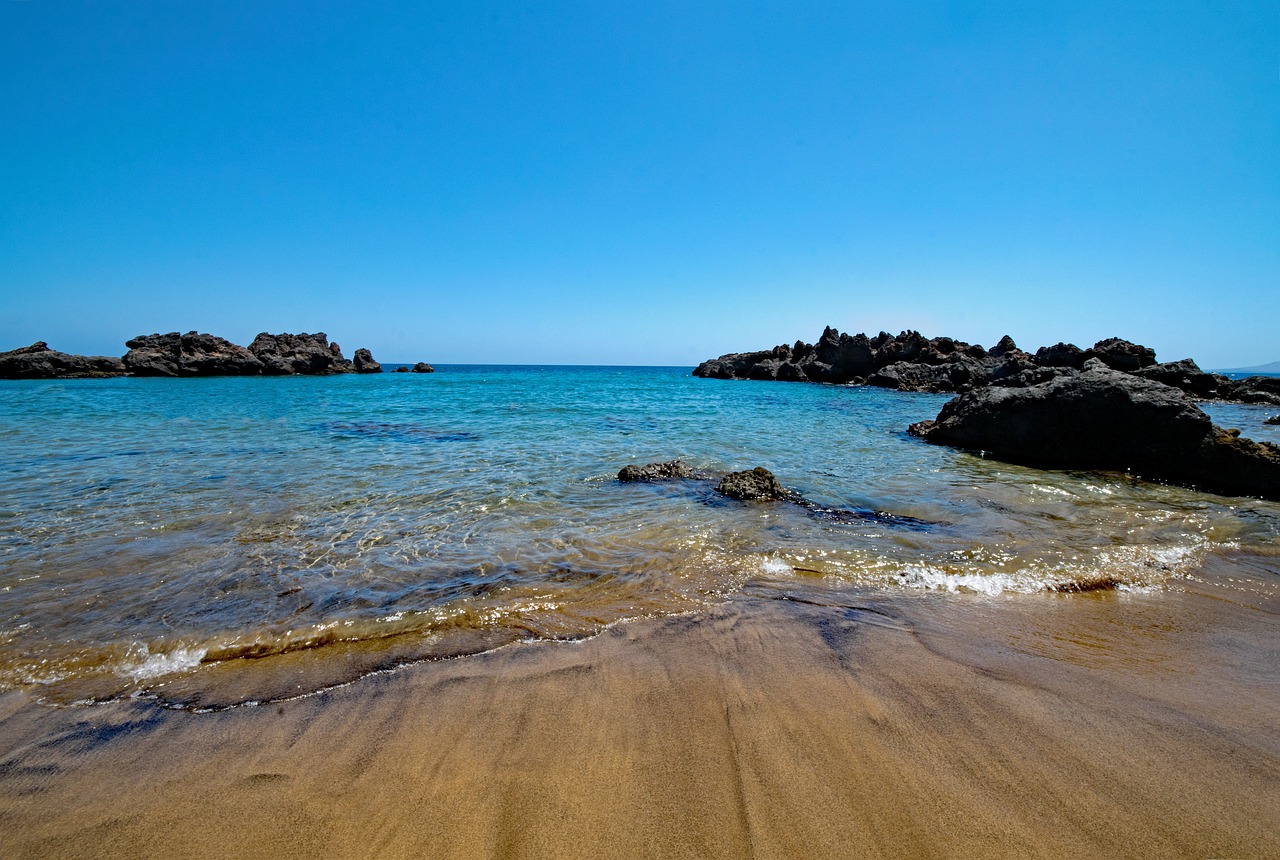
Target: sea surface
208	543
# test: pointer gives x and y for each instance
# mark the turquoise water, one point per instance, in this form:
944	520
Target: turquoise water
267	537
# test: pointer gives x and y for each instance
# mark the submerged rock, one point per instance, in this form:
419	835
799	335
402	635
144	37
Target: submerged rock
1100	418
39	362
673	470
1274	419
757	485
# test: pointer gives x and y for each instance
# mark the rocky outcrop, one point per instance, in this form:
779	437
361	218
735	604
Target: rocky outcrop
193	354
309	354
673	470
363	362
1187	376
1274	419
911	362
190	354
1253	389
39	362
908	361
423	367
1101	418
753	485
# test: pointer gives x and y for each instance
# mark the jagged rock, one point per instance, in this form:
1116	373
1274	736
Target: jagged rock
674	470
1119	354
39	362
1185	375
1060	355
1252	389
311	354
1100	418
364	363
423	367
756	484
1006	346
190	354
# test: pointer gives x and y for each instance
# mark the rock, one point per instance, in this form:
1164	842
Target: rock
310	354
756	484
39	362
1006	346
1252	389
364	363
1185	375
1060	355
673	470
402	370
1120	354
423	367
1274	419
1100	418
190	354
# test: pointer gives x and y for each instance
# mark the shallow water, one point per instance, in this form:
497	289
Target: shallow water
214	541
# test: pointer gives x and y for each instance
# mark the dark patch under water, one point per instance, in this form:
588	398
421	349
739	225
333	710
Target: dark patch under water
414	434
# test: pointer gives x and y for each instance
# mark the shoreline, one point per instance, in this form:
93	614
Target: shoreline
793	720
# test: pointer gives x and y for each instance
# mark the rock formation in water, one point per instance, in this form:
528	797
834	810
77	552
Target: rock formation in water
364	363
759	485
308	354
423	367
192	354
39	362
1102	418
911	362
672	470
754	485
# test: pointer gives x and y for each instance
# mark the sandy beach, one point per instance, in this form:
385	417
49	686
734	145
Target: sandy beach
793	721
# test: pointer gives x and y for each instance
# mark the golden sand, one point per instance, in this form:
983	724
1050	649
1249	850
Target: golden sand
785	723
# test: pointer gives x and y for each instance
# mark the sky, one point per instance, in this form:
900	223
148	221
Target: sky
657	183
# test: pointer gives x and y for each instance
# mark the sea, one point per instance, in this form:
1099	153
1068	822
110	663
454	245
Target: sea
223	542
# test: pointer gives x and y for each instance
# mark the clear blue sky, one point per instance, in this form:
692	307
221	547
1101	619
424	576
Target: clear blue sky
641	183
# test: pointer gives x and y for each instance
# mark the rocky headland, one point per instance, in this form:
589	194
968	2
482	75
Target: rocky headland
911	362
1102	418
193	354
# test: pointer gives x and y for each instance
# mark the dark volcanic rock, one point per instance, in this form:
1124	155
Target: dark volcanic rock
190	354
1006	346
423	367
1252	389
674	470
1274	419
312	354
1104	419
1185	375
1120	354
1060	355
39	362
364	363
756	484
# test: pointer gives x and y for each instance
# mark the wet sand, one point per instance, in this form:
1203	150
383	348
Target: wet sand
796	720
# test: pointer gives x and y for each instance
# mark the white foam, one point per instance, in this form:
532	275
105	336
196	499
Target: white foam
151	665
992	584
776	566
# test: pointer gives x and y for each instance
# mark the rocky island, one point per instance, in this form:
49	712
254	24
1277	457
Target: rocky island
193	354
911	362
